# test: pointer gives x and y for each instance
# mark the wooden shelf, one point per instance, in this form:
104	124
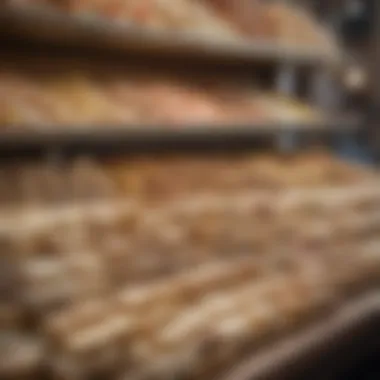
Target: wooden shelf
177	139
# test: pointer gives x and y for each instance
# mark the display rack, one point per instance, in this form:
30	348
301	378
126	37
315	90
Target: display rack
42	26
350	335
49	28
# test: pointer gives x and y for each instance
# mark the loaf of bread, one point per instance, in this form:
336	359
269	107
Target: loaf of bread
276	21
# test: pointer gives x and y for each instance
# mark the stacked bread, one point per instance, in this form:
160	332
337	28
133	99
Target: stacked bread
163	15
48	98
231	21
39	96
161	179
175	176
122	287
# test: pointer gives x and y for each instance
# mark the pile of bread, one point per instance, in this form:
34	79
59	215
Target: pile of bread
132	288
47	98
157	179
216	20
77	97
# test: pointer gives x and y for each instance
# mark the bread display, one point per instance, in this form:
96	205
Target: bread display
83	99
146	178
162	15
126	285
227	21
40	97
160	179
167	266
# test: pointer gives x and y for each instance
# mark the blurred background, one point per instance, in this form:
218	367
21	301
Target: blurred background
189	189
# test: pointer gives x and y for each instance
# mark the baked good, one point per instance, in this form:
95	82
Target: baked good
88	99
183	15
187	282
276	21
